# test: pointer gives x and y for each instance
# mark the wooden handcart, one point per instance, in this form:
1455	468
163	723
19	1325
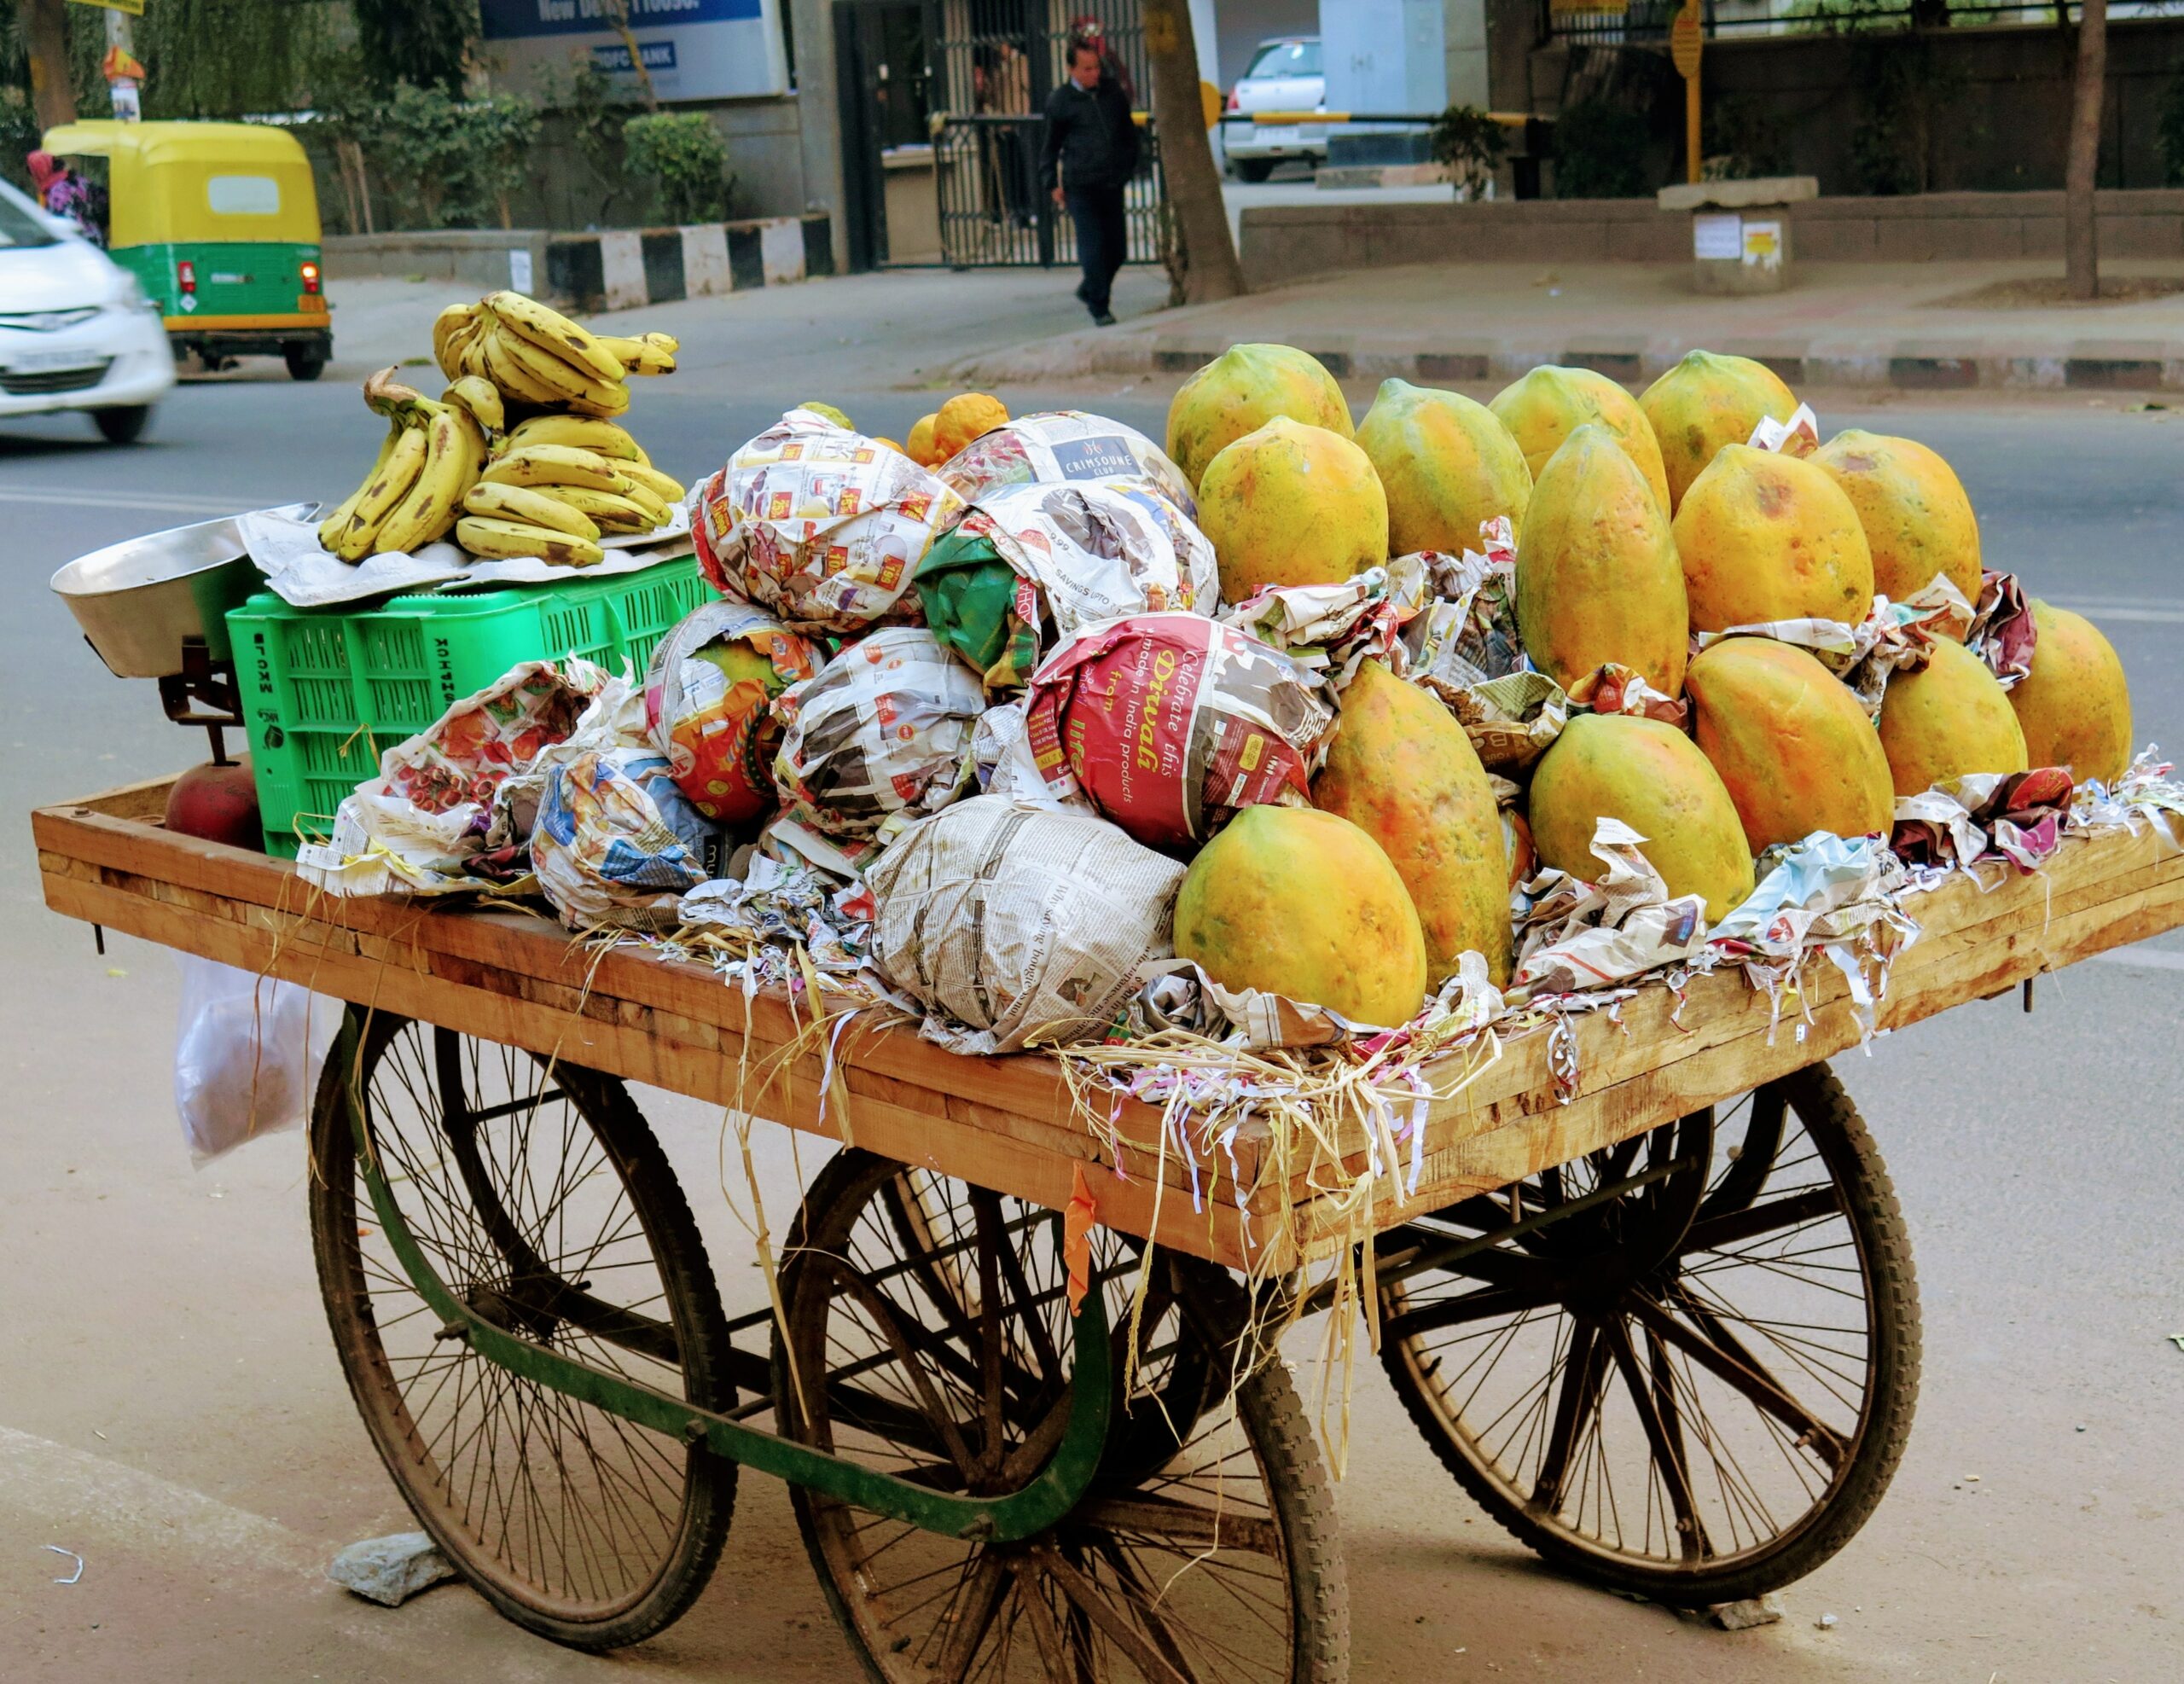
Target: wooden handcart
1664	1327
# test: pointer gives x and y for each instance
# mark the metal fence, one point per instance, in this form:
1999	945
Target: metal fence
995	212
1646	22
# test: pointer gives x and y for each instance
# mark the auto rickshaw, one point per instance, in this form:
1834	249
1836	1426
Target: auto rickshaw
218	222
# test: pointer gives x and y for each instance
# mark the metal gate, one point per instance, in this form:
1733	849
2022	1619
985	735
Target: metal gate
995	61
995	212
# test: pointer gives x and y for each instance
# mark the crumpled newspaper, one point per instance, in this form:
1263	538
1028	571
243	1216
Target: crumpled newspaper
1798	436
2146	793
1466	633
1576	935
824	526
1511	720
1612	688
2018	816
1016	925
1336	628
718	732
1058	447
1832	894
439	818
775	905
1001	758
1090	551
617	844
885	729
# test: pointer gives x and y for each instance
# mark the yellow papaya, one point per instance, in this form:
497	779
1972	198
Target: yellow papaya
1917	520
1239	391
1790	741
1295	902
1653	778
1547	405
1765	536
1403	770
1446	464
1950	717
1707	401
1597	574
2074	705
1292	504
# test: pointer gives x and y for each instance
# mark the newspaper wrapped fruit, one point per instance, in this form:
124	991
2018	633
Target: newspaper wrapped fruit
1020	925
1034	561
1168	723
709	697
616	844
823	526
884	729
1065	447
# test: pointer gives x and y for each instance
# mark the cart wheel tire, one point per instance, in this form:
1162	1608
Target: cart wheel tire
1125	1588
573	1522
1576	1453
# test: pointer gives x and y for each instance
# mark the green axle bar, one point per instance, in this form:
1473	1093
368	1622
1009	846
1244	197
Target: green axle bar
1049	1496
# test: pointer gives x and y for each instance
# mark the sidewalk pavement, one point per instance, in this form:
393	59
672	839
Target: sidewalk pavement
1858	325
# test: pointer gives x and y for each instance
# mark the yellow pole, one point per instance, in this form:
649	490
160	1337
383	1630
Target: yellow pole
1686	39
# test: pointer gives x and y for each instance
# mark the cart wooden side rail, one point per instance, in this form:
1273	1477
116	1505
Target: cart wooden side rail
1008	1123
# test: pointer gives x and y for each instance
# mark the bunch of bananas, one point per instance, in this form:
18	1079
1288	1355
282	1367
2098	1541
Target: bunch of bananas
557	484
433	453
538	356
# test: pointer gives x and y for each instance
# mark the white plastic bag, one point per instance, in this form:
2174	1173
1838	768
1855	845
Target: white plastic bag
247	1056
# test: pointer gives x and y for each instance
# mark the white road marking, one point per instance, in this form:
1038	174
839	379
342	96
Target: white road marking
96	500
2094	609
2144	958
97	1501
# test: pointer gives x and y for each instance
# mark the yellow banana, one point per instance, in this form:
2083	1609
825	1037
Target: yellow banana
556	335
449	329
556	465
611	401
651	354
521	505
607	510
515	380
585	433
381	492
573	384
428	510
515	540
481	398
646	477
330	529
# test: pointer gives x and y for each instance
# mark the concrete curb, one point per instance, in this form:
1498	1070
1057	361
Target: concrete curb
1906	365
625	269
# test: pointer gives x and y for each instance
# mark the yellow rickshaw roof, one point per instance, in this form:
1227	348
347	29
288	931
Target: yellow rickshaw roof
159	174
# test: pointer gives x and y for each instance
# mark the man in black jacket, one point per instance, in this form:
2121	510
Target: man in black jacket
1091	138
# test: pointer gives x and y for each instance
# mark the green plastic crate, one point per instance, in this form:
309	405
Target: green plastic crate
325	690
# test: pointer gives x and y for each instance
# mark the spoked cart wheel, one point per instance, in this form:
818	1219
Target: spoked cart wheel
928	1335
1694	1389
539	1196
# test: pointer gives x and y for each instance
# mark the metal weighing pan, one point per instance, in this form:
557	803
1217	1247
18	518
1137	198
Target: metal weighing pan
139	599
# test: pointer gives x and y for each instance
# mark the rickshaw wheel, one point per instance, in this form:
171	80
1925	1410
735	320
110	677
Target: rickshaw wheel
1205	1550
306	362
1696	1391
541	1199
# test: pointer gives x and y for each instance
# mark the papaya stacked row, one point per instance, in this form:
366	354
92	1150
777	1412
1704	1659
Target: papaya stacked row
1639	523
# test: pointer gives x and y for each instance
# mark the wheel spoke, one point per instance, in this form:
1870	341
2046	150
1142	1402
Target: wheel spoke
1715	1233
1720	1354
1582	1370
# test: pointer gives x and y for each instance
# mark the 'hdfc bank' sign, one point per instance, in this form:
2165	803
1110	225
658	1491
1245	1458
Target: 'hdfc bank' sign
692	50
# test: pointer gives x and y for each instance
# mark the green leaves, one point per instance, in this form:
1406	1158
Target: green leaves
685	158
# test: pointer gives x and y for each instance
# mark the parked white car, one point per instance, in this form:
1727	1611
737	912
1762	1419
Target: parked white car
1284	76
76	332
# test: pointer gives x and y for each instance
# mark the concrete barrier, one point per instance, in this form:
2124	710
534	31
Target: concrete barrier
1290	242
615	269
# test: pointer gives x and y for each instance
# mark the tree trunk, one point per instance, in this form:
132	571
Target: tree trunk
1209	254
2081	235
44	26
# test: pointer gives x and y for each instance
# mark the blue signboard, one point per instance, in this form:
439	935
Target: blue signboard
692	50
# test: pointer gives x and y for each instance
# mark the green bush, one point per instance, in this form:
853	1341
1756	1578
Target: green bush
1599	153
1469	145
498	135
685	158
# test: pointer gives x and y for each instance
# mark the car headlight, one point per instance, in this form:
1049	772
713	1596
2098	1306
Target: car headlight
130	296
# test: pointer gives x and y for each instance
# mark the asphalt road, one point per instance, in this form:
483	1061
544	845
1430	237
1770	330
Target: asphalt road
170	1409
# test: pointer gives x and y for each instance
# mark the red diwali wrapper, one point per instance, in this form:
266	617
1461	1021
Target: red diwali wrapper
1168	723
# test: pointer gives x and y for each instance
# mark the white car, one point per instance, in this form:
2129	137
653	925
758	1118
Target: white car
76	332
1284	76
